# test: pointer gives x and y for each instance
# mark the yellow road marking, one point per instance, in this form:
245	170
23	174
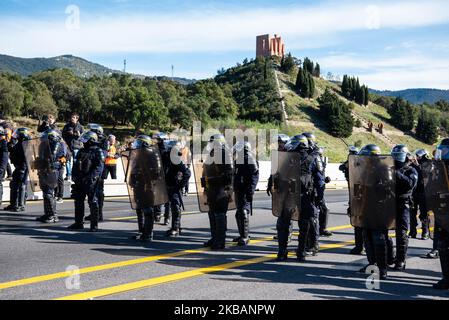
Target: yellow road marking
119	264
181	276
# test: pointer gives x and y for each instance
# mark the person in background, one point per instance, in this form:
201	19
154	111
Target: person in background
48	122
62	160
71	133
111	159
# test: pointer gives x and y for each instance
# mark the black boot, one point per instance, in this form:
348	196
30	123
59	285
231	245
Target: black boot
358	236
244	240
391	253
94	210
139	214
381	257
148	226
282	254
175	224
304	226
239	221
220	230
213	235
443	284
401	251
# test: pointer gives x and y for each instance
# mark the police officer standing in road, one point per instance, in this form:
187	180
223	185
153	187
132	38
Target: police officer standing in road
320	201
442	221
177	176
87	169
419	198
18	185
308	213
4	155
358	232
48	180
406	180
103	144
161	140
246	178
217	180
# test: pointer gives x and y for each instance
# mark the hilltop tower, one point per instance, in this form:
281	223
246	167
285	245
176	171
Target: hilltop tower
268	46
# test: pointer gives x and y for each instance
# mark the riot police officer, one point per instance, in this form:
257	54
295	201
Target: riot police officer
442	230
48	180
18	185
308	212
218	182
358	232
246	177
4	155
419	199
319	186
177	176
320	201
406	180
146	182
103	144
378	245
87	169
161	139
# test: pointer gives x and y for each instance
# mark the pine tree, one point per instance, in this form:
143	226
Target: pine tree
317	71
427	128
345	87
305	88
299	80
311	86
366	102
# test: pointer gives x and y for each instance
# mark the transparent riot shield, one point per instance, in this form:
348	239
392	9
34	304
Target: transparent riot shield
40	164
436	187
144	174
202	173
286	191
372	197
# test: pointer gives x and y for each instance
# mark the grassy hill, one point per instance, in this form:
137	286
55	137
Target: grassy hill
303	115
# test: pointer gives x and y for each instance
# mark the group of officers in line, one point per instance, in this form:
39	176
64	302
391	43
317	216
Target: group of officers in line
385	191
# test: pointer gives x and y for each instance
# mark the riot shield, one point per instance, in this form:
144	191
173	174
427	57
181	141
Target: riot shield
372	192
436	187
144	177
40	164
202	172
286	191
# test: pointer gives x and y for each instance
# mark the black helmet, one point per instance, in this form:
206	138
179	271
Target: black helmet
142	141
218	138
95	128
299	141
369	150
353	150
421	154
22	134
51	135
89	137
240	146
311	138
401	153
283	138
160	136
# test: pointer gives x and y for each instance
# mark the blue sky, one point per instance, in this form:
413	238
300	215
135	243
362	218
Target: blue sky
388	44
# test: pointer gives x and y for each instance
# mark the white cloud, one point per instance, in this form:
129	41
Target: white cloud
206	31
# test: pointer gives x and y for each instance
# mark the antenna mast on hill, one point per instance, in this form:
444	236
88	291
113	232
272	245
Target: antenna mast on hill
124	66
172	72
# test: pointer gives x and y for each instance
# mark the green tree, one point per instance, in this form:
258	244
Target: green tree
338	115
402	114
11	97
288	64
427	128
317	71
38	101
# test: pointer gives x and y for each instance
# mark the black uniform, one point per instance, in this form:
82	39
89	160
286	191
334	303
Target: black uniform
246	178
18	185
358	232
4	155
104	146
219	177
406	180
176	177
419	202
48	191
87	170
309	213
